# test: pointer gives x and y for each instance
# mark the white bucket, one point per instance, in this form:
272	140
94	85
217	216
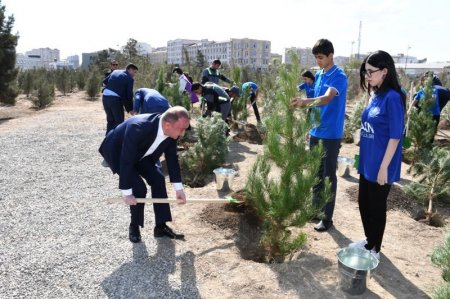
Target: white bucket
224	178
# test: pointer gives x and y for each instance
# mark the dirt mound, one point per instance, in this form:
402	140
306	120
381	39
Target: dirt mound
249	133
397	200
242	220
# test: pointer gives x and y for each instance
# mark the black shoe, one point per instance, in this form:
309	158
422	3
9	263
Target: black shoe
323	225
134	233
164	231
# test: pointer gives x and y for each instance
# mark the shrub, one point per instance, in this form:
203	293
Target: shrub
44	95
81	79
286	199
434	178
208	152
175	98
93	85
441	258
63	80
353	123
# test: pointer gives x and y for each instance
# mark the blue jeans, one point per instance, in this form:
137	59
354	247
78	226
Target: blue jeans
114	112
328	166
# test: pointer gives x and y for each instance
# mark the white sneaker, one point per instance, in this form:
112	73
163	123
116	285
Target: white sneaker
358	244
375	254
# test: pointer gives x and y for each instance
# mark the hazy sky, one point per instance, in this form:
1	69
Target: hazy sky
80	26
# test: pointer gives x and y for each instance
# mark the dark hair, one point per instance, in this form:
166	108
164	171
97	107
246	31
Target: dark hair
217	61
177	70
131	66
195	86
323	46
382	60
309	75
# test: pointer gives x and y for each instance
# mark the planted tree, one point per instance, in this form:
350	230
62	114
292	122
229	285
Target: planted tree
280	183
421	125
44	95
27	81
441	258
93	85
433	172
353	123
176	98
209	152
63	80
80	76
161	81
8	70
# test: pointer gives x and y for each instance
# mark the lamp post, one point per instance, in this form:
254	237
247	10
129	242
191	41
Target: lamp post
406	58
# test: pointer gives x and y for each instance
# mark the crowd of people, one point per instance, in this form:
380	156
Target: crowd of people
132	148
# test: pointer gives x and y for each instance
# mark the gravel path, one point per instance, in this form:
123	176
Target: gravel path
59	239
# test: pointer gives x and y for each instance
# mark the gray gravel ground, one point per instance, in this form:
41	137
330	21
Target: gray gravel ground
58	237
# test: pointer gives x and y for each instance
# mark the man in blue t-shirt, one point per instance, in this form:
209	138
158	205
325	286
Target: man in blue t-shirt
330	89
148	100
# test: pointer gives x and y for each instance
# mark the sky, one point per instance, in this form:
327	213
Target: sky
418	28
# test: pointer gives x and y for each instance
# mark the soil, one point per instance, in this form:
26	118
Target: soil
217	236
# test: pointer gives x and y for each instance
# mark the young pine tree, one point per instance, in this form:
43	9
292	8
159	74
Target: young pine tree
280	183
209	152
44	95
62	80
93	84
421	124
434	173
441	258
8	71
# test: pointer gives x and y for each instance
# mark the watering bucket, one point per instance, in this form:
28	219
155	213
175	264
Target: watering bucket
224	178
353	265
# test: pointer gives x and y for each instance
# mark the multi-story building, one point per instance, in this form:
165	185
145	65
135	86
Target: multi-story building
88	59
243	52
37	58
74	60
305	56
158	55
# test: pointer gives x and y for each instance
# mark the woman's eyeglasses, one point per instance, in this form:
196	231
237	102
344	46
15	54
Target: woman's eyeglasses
368	73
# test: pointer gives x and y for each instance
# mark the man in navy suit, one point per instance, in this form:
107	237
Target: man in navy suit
132	150
117	94
148	100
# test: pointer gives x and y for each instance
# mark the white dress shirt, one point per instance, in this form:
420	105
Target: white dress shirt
160	137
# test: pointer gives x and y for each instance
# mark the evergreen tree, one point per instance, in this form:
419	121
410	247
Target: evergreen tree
130	51
441	258
209	152
44	95
285	199
421	125
81	78
63	80
93	84
161	81
27	81
200	61
8	71
434	178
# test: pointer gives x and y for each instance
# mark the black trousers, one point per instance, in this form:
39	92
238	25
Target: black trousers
255	108
114	112
328	166
372	200
154	177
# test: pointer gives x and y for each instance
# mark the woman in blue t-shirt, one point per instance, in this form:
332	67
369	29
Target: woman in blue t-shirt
308	84
382	124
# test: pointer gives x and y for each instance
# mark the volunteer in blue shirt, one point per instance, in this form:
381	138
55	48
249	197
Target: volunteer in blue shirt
380	152
330	89
252	89
308	84
148	100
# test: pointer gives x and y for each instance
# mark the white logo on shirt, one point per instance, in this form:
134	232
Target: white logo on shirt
374	111
367	130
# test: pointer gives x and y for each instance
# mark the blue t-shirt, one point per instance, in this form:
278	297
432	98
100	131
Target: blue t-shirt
252	85
434	109
331	125
149	101
308	88
383	119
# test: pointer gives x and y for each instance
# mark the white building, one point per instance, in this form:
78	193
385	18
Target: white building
158	55
74	60
418	69
143	49
88	59
305	56
243	52
58	65
37	58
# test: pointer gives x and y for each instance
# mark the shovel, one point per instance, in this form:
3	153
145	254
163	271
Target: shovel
227	199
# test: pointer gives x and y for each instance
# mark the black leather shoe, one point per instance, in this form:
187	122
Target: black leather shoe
134	233
165	231
323	225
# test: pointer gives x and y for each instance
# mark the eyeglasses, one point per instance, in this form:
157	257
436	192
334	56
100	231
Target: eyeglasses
114	64
368	73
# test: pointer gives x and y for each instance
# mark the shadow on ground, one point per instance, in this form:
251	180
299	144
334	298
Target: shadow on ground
149	276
